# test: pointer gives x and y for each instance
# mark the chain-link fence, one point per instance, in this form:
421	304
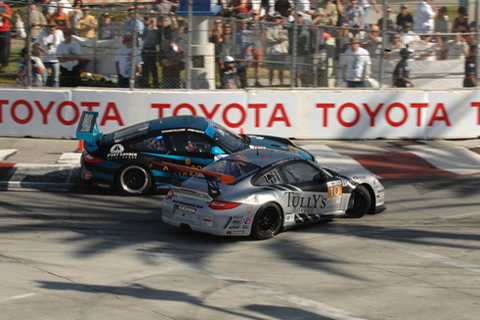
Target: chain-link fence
171	45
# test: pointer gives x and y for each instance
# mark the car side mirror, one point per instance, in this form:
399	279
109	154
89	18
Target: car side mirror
216	151
321	176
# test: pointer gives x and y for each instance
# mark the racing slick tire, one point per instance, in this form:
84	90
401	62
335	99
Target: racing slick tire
134	180
267	222
361	203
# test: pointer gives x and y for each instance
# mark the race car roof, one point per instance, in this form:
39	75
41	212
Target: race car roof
192	122
263	157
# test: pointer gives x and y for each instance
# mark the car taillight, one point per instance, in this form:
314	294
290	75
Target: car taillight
92	159
223	205
169	194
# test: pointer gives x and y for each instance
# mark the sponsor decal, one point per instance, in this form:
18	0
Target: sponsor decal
247	220
236	232
256	147
289	217
188	161
122	156
305	204
86	175
334	189
208	224
117	148
184	208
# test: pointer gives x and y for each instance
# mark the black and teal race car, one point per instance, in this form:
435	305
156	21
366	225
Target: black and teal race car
122	159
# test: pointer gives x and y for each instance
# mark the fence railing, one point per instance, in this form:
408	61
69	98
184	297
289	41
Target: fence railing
137	47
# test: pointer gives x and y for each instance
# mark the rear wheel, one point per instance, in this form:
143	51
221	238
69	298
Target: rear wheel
134	180
361	202
267	222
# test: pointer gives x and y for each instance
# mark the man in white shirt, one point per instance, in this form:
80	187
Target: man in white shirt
356	65
47	43
68	54
424	15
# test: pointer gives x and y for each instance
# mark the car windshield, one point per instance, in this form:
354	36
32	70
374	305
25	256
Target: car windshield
228	140
235	168
131	132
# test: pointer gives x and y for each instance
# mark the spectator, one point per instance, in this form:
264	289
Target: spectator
354	16
389	24
228	73
318	51
37	21
303	47
284	7
456	47
238	6
258	38
76	14
277	48
47	43
227	47
423	22
441	22
172	60
60	18
37	69
68	53
460	24
471	68
123	61
342	43
401	74
216	37
373	42
5	17
404	17
393	48
106	30
151	40
243	48
87	25
267	9
164	8
365	5
134	24
53	8
168	24
407	35
328	13
356	65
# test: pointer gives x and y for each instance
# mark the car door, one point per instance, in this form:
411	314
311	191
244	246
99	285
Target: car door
314	190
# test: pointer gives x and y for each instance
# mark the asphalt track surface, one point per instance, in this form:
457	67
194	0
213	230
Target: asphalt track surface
76	253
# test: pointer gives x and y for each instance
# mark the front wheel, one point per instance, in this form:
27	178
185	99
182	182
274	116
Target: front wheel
267	222
361	202
134	180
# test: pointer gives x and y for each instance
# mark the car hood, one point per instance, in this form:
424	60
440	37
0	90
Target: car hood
278	143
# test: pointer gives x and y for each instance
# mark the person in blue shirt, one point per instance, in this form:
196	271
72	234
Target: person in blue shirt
131	23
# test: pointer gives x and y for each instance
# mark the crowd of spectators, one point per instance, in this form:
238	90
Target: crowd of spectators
267	37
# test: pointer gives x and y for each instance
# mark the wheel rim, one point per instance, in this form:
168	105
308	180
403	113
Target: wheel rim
134	179
268	220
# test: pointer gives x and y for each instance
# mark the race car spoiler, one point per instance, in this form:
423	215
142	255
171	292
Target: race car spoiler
87	129
211	177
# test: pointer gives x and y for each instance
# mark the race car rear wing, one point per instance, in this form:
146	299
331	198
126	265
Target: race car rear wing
87	129
213	178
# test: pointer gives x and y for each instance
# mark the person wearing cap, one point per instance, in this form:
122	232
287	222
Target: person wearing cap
134	23
356	65
106	30
36	79
403	17
284	7
229	73
424	15
277	48
401	74
460	24
172	61
151	41
87	24
471	68
123	62
36	21
68	53
60	18
47	43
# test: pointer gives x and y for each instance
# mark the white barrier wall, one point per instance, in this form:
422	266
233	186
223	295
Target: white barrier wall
302	114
